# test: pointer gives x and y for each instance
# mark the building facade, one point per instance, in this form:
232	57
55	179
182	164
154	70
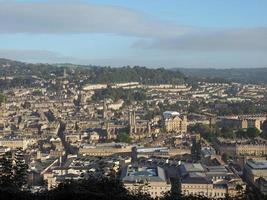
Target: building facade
149	180
176	124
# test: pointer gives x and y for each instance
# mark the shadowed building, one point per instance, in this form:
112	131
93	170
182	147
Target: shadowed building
255	173
140	128
244	121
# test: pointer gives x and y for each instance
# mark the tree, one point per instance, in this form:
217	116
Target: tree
196	148
26	105
37	93
252	132
124	137
264	126
2	99
6	168
264	129
20	169
13	171
239	187
225	157
95	188
203	129
227	132
241	133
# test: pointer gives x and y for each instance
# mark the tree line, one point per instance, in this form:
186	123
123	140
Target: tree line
118	93
83	74
210	131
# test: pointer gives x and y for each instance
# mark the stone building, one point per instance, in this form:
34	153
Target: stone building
174	122
140	128
214	182
150	180
241	147
255	173
244	121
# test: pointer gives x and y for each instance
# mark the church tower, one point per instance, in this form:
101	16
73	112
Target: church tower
132	122
104	110
3	113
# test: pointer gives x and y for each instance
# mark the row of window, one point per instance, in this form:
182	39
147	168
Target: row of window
216	194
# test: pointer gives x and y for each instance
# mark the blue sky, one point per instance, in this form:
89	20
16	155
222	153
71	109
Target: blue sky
154	33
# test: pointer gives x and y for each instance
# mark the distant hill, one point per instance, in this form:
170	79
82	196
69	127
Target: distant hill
91	74
99	74
243	75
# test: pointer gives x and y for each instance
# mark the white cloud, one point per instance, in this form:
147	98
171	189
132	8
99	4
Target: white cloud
34	55
55	17
240	39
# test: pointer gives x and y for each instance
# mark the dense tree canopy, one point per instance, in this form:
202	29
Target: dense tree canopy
208	132
264	129
2	98
13	170
116	94
243	75
124	137
25	74
240	108
139	74
264	126
93	189
204	130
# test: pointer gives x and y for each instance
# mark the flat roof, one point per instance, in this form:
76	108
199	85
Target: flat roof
191	167
257	164
135	174
196	178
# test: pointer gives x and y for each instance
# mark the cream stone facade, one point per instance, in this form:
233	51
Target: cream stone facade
176	124
242	147
149	180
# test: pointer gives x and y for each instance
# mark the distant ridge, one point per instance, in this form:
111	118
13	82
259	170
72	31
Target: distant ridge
90	73
99	74
242	75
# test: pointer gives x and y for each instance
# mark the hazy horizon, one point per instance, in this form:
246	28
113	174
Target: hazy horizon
152	67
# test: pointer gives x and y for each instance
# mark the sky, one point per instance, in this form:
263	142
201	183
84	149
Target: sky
152	33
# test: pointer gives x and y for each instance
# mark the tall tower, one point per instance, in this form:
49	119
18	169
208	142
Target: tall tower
109	135
148	127
104	110
65	73
132	122
196	147
3	113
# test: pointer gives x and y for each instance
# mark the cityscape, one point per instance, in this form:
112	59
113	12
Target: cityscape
134	126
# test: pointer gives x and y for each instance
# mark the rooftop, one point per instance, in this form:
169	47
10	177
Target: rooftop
196	178
138	174
257	164
191	167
